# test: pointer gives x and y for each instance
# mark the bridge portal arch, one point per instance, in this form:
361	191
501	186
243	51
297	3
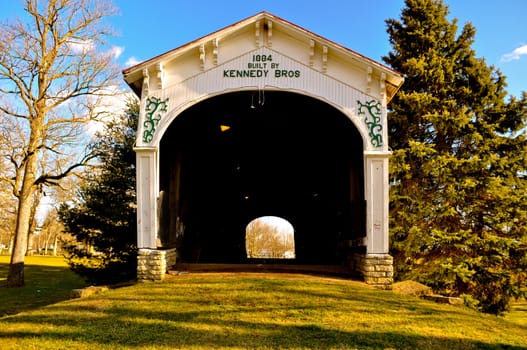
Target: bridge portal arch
242	155
263	118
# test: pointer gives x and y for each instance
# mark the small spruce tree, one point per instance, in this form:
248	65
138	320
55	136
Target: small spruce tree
103	218
458	195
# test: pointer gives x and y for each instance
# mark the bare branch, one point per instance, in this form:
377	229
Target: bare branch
52	179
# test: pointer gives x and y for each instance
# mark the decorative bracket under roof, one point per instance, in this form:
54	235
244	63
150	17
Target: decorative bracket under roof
257	33
382	86
160	75
215	50
311	52
202	56
324	59
368	79
146	82
269	33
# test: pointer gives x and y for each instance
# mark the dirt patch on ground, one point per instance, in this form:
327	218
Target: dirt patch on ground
411	288
268	274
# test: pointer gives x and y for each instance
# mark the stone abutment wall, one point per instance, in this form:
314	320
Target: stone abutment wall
376	269
153	264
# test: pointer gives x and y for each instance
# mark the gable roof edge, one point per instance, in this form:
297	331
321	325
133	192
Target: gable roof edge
394	78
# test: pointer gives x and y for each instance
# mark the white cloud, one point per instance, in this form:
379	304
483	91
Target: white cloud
116	51
85	46
515	55
81	46
132	61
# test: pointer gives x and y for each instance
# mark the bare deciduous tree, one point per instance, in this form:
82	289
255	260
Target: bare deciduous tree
52	77
264	240
50	235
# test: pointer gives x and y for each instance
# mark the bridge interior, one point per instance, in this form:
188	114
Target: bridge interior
238	156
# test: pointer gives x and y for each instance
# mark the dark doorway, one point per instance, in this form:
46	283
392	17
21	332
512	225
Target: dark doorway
238	156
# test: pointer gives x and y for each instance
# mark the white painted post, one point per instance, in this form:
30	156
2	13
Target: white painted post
146	162
377	192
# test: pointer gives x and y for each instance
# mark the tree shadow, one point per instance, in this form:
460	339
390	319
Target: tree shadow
44	285
214	313
116	328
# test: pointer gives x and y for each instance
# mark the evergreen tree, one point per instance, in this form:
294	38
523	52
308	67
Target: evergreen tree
458	195
103	219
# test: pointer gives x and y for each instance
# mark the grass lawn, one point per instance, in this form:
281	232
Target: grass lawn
256	311
48	280
518	313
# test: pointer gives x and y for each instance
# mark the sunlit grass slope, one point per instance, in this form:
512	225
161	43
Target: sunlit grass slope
256	311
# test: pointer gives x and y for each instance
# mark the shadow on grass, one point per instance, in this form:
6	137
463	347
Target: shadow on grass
201	312
44	285
115	328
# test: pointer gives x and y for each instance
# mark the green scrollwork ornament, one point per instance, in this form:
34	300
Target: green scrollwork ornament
372	117
154	109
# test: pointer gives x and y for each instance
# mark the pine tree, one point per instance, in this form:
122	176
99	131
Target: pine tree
458	195
103	219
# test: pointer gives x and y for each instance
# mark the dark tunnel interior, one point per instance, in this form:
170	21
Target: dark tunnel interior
242	155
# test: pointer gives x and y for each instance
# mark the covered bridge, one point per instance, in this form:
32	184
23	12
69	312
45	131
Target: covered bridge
263	118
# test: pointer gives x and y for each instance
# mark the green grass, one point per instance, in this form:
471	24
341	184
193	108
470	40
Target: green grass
256	311
518	313
48	280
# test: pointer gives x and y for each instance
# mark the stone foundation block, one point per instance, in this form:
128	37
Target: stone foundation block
153	264
376	269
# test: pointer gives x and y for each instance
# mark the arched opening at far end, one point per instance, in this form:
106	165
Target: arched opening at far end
270	237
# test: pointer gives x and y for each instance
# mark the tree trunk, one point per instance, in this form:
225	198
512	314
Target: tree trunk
46	241
11	242
30	242
33	226
55	245
15	276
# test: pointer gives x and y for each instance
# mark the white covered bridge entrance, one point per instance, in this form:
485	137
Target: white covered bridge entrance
263	118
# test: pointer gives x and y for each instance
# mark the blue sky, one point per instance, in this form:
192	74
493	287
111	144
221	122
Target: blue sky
149	28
